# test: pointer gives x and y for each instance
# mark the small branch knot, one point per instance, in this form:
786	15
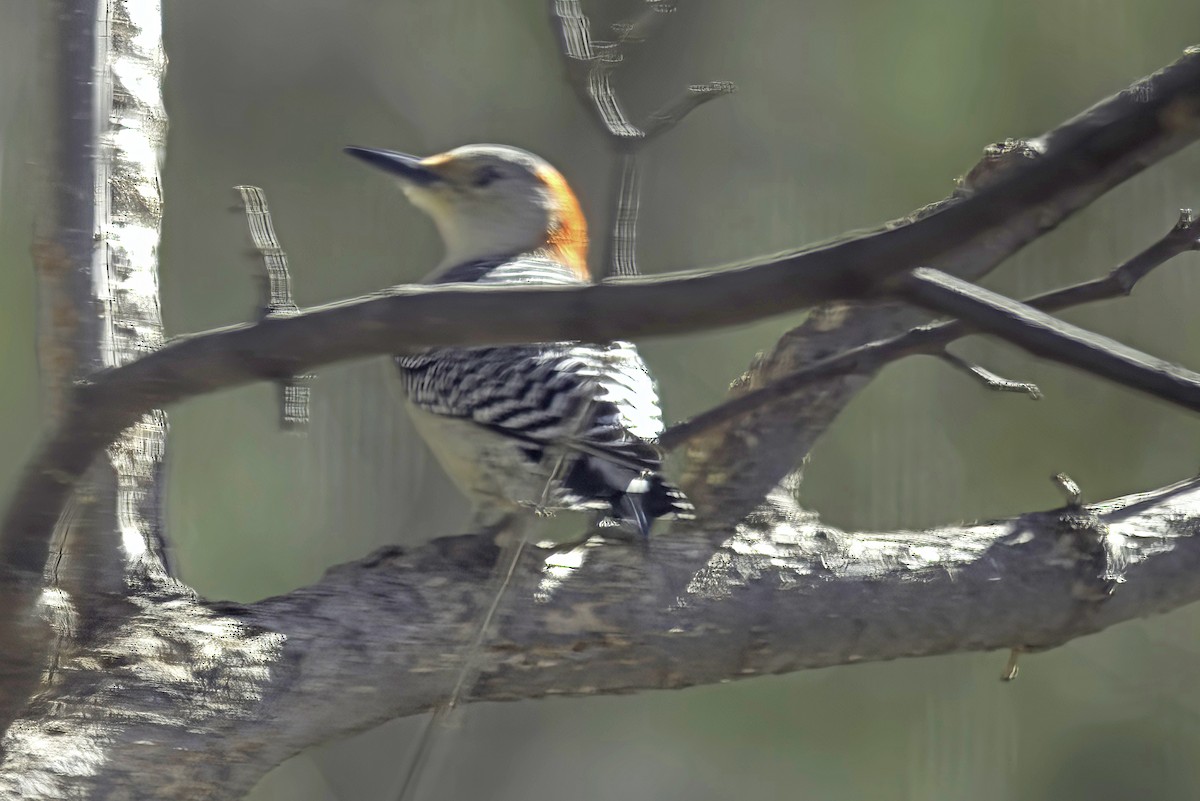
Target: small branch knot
1099	563
1189	227
998	159
1071	490
1099	566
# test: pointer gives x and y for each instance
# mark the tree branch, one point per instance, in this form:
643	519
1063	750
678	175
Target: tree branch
989	379
188	698
590	66
784	593
728	469
277	300
666	118
932	339
1051	338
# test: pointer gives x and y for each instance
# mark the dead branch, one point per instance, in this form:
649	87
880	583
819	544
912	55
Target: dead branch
932	339
380	638
277	300
590	67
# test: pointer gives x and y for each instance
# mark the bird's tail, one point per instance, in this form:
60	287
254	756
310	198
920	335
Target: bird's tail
626	475
647	498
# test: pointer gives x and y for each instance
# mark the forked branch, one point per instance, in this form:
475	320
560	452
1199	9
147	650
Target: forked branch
932	339
591	66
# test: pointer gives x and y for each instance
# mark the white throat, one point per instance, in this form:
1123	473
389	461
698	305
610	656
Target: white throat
473	230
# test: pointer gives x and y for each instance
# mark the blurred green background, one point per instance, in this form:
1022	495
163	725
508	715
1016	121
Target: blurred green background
848	114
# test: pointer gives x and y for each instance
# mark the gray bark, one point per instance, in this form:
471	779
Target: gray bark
197	700
97	268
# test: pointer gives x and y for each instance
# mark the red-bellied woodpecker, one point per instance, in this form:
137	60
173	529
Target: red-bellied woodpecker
557	425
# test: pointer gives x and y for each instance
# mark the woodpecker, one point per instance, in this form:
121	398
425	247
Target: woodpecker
554	425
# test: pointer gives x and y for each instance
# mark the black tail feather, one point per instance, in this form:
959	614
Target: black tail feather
648	498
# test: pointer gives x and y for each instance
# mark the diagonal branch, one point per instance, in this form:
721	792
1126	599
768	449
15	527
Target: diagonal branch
277	300
932	339
590	67
1051	338
727	471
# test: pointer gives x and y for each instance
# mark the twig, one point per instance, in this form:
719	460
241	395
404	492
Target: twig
638	28
990	379
1012	667
517	536
589	69
468	674
590	66
1051	338
670	115
1183	237
277	300
621	247
1070	489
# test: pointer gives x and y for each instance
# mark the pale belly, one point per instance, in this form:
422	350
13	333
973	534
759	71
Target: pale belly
489	468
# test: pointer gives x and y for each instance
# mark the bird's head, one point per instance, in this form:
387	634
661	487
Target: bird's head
491	200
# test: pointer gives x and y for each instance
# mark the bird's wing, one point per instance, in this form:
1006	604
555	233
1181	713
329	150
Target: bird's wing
591	398
597	399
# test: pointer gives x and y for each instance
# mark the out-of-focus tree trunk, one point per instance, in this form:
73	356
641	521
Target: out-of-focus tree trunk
96	261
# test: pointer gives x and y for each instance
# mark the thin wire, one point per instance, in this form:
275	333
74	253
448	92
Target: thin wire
438	720
506	568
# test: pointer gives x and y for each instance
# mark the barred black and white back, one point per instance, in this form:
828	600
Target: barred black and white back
560	425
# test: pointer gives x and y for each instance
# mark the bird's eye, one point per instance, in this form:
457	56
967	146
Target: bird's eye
485	176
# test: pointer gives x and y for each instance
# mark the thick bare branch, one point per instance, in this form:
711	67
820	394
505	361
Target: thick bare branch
380	638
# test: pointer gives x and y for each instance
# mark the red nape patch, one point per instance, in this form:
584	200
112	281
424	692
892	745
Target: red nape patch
568	233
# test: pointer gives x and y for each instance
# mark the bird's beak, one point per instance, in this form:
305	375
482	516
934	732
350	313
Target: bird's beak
402	165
